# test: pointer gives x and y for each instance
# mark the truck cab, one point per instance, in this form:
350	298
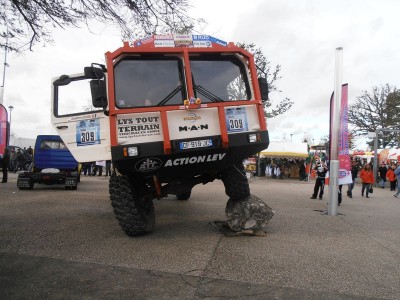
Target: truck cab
170	111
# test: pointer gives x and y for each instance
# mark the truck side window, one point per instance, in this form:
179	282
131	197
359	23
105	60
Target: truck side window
74	98
219	78
148	82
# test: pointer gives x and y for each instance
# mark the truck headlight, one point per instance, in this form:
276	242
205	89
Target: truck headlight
133	151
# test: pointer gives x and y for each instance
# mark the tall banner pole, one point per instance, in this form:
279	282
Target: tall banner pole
1	94
4	71
335	130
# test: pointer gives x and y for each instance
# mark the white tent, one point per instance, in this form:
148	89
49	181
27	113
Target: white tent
21	142
286	150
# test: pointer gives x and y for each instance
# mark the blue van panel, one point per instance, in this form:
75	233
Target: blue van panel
57	157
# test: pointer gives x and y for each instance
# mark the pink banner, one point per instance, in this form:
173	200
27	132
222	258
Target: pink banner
344	157
343	151
3	128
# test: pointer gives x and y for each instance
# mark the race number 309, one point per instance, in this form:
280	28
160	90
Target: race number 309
236	124
87	137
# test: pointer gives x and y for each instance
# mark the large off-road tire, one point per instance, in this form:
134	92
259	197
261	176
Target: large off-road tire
184	196
134	215
236	182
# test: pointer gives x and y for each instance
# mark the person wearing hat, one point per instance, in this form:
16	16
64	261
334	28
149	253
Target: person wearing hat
321	169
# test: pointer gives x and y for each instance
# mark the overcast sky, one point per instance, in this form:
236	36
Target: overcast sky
299	35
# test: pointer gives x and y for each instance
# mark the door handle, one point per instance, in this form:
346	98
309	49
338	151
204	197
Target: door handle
62	127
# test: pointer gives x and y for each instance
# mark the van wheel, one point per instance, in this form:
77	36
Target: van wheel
236	182
184	196
135	215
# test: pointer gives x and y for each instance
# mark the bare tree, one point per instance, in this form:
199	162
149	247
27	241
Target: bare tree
25	23
374	110
272	74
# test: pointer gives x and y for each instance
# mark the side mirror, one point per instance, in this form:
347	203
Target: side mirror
94	72
263	84
99	93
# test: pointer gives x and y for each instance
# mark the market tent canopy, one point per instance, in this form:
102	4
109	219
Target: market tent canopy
286	150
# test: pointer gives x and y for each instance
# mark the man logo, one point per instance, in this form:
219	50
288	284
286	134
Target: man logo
193	127
148	164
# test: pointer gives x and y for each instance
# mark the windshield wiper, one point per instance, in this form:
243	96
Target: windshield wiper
169	96
207	93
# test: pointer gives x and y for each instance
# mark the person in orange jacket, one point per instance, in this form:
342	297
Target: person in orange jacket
367	179
392	177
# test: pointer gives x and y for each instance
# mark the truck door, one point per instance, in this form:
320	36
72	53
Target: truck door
84	129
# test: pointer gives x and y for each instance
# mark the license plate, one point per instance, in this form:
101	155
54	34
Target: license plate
196	144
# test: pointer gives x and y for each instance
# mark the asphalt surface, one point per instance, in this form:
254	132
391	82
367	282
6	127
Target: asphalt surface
58	244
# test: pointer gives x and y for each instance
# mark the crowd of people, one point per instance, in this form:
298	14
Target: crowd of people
19	159
363	170
96	168
282	168
15	160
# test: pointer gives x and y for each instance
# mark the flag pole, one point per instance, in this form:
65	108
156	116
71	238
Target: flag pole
335	130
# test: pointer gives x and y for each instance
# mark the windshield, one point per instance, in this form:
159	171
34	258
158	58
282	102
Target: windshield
219	78
148	82
52	145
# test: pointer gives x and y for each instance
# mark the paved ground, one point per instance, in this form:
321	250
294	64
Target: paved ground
67	244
